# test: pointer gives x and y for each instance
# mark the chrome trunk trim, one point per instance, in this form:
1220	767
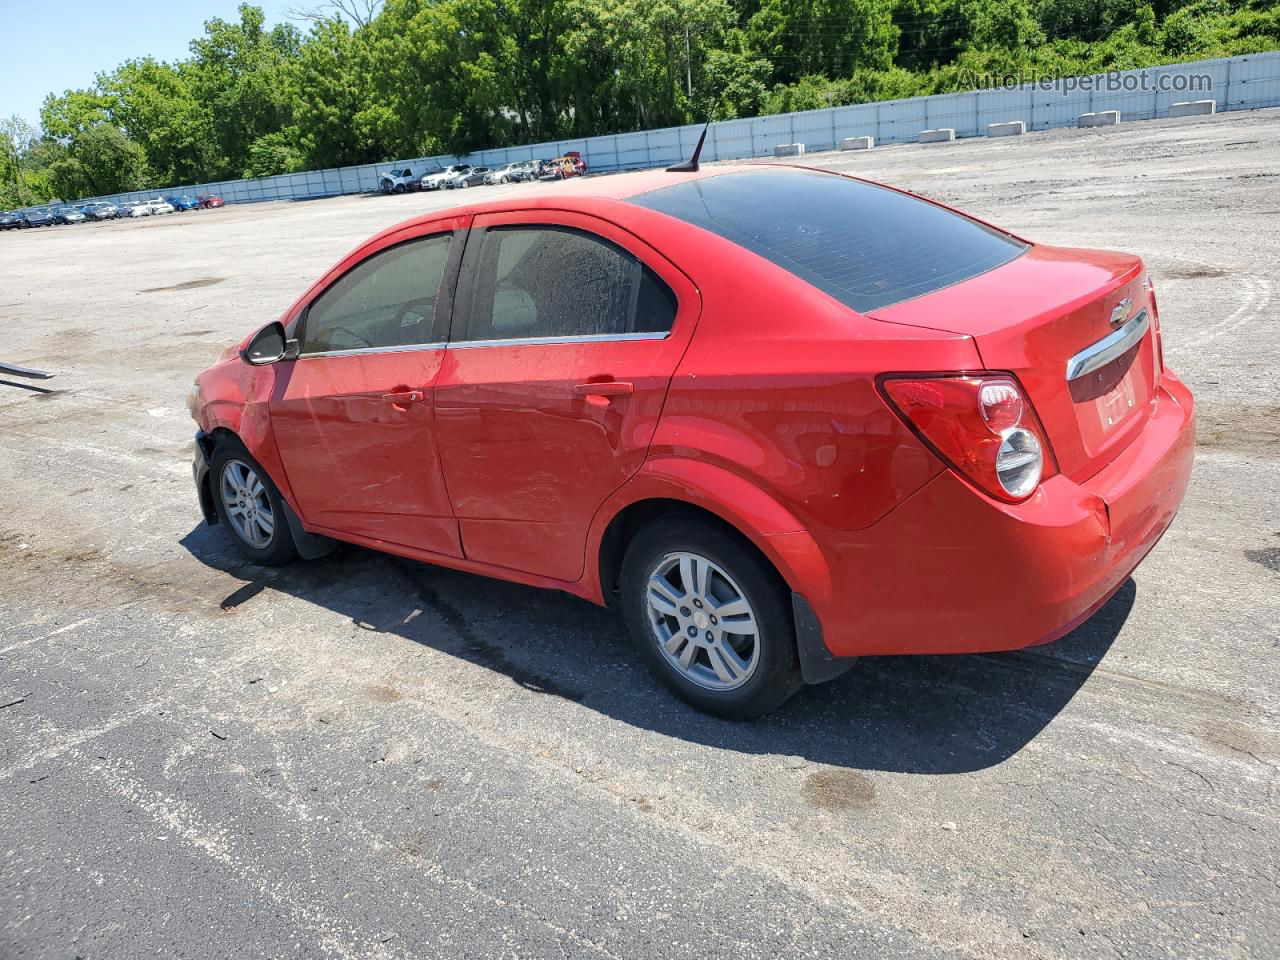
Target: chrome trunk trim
1109	347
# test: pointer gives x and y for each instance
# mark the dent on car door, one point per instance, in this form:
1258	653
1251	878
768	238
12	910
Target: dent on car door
567	333
353	416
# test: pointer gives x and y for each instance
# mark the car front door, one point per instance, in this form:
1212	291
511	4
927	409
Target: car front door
353	417
567	332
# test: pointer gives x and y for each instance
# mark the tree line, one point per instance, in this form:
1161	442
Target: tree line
360	81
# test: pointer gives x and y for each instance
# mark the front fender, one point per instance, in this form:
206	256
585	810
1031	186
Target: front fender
779	535
236	397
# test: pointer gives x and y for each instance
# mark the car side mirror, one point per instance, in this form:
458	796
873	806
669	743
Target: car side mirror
268	345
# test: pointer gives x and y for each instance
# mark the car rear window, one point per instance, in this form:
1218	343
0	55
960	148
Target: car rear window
865	245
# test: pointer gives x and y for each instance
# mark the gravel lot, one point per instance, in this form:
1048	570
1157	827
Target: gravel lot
365	757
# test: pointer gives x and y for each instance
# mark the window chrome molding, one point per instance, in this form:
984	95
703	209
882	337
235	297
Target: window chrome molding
362	351
537	341
1110	347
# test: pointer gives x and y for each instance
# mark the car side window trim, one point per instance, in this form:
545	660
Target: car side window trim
468	275
569	338
441	322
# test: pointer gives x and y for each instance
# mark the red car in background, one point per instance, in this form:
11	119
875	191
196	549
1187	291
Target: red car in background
782	418
208	200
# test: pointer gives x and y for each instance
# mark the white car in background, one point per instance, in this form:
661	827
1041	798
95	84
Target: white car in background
158	206
398	181
435	180
134	210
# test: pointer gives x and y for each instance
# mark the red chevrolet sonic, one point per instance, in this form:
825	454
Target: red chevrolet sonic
783	418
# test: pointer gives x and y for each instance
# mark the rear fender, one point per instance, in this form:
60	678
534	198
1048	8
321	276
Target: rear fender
748	509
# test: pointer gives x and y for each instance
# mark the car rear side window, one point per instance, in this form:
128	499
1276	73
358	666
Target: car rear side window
387	300
558	282
865	245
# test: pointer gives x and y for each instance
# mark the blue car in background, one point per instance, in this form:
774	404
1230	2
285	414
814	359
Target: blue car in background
38	218
183	202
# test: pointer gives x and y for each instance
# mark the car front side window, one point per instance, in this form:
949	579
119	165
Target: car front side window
558	282
386	301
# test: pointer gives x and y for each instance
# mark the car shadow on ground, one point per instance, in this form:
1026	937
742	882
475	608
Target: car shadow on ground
928	714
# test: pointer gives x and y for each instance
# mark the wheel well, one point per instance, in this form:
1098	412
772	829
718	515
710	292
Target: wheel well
208	443
631	520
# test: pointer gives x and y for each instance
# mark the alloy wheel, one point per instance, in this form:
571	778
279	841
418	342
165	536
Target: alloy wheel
248	508
702	621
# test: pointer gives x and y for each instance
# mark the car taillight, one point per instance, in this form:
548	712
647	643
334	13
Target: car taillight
981	425
1149	286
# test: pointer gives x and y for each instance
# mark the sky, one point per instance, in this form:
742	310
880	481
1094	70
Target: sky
52	47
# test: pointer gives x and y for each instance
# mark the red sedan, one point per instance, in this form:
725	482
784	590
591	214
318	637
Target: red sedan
782	418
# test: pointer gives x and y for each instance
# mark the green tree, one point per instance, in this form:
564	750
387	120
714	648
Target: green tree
240	73
156	106
270	154
101	160
337	116
828	38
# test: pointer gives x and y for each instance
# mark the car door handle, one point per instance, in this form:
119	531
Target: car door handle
409	396
606	388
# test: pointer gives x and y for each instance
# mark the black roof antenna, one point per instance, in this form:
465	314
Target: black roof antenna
691	165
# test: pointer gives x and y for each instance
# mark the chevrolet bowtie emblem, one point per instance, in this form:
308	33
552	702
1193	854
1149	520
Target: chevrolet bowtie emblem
1121	312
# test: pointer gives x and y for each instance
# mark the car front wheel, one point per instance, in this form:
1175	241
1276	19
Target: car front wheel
710	617
250	506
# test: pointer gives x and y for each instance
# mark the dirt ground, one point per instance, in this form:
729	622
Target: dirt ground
366	757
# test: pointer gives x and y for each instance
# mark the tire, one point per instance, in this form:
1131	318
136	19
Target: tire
398	188
231	472
465	184
764	670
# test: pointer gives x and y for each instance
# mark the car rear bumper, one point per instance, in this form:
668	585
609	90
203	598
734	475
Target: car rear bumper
952	571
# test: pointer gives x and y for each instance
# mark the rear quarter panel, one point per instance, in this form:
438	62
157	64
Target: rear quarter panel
778	386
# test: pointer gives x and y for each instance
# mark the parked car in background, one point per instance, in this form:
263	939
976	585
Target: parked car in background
507	173
182	202
915	473
159	205
561	168
133	208
39	217
99	210
472	178
399	181
67	214
11	220
209	201
436	179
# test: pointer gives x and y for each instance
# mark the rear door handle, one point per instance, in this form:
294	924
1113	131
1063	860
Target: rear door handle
606	388
409	396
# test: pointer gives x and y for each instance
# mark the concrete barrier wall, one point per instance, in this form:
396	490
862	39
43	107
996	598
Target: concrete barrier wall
1247	82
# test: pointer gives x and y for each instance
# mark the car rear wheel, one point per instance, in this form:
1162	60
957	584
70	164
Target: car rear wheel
710	617
249	505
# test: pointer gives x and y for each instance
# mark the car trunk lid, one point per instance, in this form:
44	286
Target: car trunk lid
1077	329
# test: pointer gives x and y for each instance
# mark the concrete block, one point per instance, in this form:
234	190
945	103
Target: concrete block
857	143
1015	128
1103	118
1193	108
789	150
941	135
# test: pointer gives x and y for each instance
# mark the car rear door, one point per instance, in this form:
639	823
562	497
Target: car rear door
353	416
567	332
